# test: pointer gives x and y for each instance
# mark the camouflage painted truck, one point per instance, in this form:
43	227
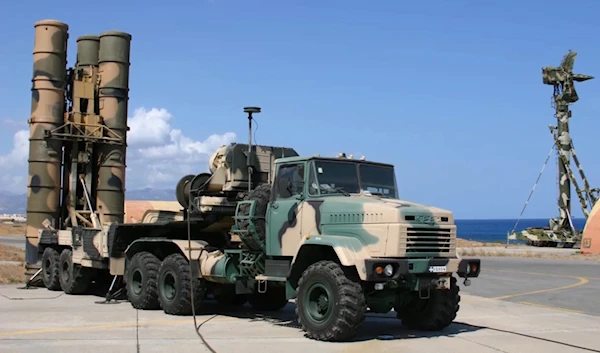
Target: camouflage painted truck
328	232
264	226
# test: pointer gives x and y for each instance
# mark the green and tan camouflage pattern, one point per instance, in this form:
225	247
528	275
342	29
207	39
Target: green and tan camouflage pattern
548	237
562	79
88	51
212	266
561	229
89	246
47	112
232	160
584	195
361	226
114	56
228	175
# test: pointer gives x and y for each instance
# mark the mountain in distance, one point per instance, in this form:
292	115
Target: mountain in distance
13	203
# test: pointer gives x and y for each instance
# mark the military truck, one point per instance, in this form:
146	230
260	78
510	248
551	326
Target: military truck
263	226
266	225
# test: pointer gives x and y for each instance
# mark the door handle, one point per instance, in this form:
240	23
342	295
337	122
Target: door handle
275	205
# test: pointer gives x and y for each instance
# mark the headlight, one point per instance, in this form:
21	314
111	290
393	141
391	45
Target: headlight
388	270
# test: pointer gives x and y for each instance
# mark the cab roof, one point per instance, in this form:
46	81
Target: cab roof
333	159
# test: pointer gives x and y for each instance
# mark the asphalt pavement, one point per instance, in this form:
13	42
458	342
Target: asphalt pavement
37	320
567	285
517	305
18	242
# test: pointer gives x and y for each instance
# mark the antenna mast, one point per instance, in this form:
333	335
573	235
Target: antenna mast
250	111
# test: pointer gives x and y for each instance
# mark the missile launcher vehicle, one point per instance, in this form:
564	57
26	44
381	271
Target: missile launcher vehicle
263	226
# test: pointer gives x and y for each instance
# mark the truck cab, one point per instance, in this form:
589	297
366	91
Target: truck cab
340	222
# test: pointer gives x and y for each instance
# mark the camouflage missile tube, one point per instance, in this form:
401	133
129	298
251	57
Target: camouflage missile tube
47	113
114	89
88	48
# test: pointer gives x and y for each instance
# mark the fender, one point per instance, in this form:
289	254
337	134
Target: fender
161	247
159	243
349	250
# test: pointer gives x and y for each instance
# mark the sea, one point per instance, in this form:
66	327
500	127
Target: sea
495	230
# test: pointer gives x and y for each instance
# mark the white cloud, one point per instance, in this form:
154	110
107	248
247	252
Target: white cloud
14	164
19	152
158	155
149	127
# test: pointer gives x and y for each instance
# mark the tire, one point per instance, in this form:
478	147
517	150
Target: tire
50	269
260	196
142	281
227	296
345	298
274	299
174	286
435	313
74	279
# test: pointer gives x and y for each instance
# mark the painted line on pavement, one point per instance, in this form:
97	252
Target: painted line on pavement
580	282
552	307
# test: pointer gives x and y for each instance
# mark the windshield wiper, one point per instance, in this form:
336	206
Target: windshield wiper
342	191
333	190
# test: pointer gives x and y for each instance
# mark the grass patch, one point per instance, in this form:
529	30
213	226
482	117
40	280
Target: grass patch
496	253
11	274
11	253
464	243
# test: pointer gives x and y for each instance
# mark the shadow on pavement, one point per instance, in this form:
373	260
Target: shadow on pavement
376	326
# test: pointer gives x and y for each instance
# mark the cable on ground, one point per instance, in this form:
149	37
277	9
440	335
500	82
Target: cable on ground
196	326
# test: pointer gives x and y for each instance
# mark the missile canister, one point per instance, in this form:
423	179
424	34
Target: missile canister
113	95
47	113
88	47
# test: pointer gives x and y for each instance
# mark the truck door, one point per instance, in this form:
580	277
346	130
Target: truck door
284	221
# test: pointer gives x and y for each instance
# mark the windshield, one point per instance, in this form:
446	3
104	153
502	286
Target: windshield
343	177
378	180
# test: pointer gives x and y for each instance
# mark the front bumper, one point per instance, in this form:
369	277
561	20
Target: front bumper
465	268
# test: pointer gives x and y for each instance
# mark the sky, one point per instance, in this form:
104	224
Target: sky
450	92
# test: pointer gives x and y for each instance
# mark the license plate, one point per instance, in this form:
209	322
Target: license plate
437	269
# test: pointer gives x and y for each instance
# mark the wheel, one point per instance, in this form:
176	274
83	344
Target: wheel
174	286
260	196
434	313
74	279
142	281
50	269
330	306
273	299
226	295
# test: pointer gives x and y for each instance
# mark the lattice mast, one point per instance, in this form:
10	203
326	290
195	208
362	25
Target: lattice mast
562	79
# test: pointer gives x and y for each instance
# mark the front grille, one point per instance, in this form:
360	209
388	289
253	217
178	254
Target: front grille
429	240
